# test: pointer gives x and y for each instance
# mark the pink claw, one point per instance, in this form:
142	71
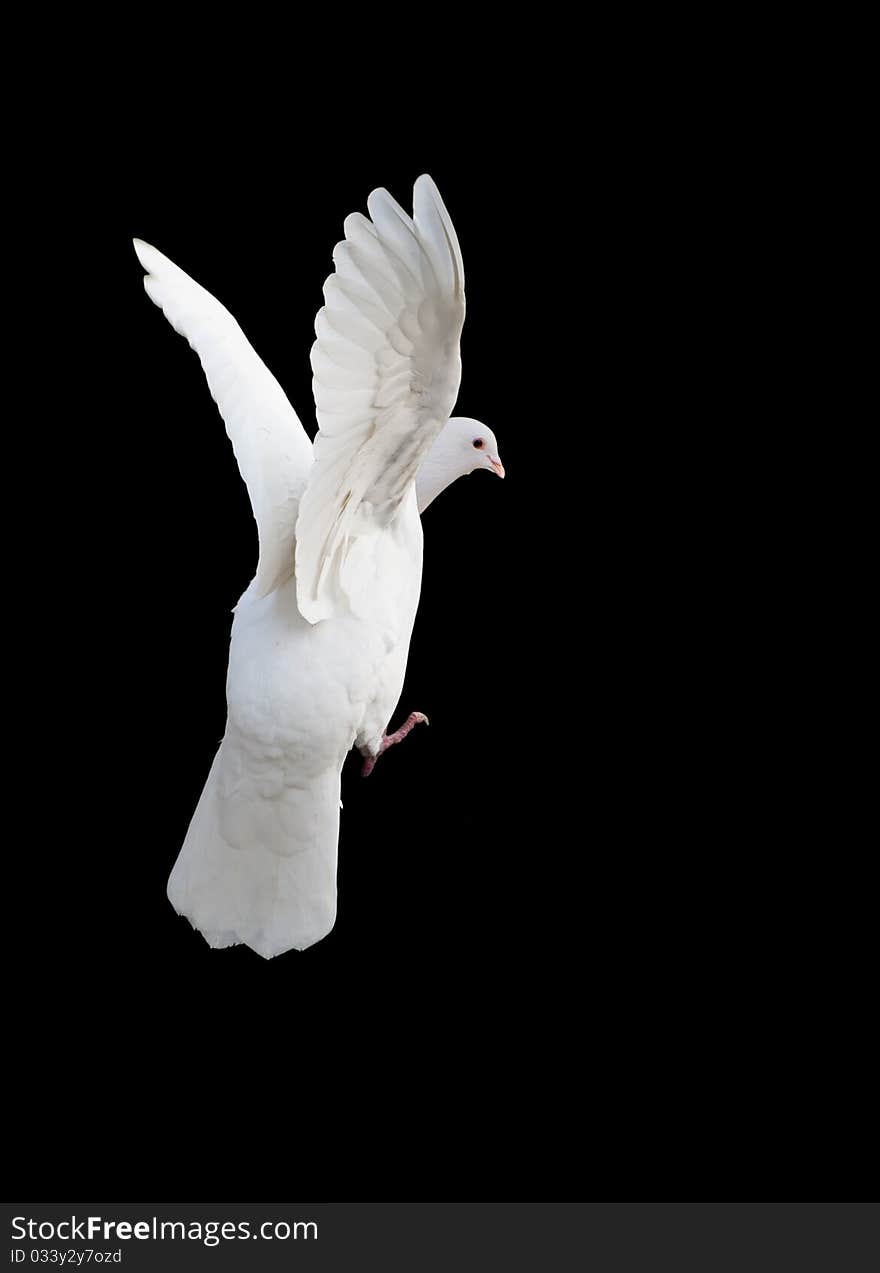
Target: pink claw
388	740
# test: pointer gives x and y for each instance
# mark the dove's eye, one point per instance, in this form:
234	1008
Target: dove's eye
478	443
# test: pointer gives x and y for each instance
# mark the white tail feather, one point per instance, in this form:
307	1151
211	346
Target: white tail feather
271	895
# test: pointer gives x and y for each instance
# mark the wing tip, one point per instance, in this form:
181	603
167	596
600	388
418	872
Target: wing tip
383	199
427	198
313	607
150	258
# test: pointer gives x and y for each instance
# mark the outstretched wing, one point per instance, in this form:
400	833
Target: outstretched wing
386	374
273	451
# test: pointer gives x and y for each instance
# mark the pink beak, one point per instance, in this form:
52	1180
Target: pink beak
497	466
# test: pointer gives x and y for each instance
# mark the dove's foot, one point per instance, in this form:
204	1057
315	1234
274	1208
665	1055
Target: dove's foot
388	740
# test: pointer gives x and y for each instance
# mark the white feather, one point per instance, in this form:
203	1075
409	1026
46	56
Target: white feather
273	452
386	370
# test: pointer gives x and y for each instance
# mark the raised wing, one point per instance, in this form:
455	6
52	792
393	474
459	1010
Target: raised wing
386	373
273	451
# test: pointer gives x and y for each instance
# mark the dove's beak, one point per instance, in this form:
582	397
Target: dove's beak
497	466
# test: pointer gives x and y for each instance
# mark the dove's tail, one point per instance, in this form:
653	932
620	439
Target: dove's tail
258	866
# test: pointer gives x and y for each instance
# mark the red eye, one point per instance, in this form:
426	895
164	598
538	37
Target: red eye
479	444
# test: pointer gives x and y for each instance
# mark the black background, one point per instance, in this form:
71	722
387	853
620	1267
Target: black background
599	936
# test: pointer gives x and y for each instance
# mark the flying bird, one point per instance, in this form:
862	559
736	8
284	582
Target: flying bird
321	635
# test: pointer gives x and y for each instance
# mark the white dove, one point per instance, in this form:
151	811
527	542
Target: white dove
321	635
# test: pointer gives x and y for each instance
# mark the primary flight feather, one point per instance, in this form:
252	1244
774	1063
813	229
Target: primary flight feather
320	637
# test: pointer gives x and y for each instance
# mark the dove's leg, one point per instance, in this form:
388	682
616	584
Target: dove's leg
388	740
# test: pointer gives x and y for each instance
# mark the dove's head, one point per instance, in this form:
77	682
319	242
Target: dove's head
474	444
462	446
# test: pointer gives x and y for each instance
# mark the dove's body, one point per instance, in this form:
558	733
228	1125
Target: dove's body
259	861
320	638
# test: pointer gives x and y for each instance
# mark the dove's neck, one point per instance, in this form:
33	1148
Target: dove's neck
440	467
